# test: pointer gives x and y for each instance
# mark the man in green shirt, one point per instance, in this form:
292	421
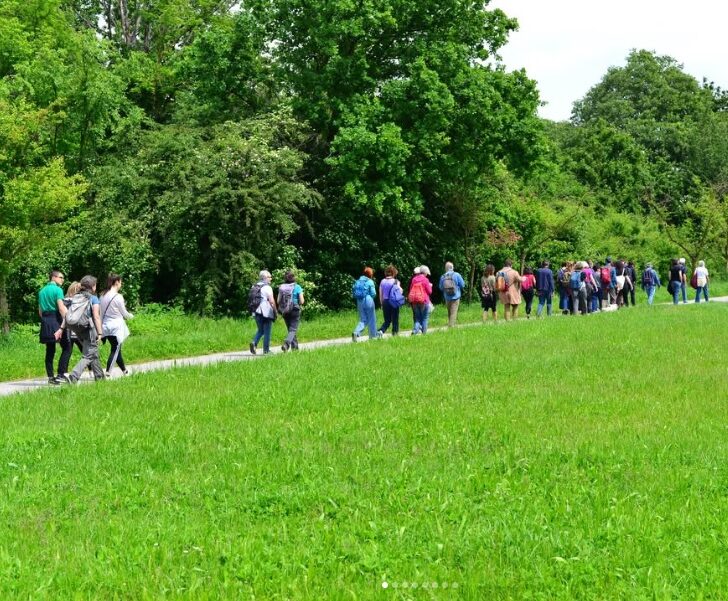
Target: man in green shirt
51	311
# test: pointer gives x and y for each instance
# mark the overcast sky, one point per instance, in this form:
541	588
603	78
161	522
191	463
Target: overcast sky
568	45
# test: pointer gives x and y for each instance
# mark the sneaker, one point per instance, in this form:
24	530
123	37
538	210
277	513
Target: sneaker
126	372
285	346
107	374
67	379
54	381
252	349
354	336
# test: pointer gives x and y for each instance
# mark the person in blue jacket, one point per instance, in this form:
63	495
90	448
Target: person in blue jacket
545	288
364	292
451	285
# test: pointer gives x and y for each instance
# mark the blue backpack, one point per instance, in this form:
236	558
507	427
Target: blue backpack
361	289
396	296
575	281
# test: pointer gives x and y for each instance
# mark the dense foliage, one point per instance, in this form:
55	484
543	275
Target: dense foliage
188	143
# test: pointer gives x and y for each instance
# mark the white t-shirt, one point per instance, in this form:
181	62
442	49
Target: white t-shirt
265	308
702	274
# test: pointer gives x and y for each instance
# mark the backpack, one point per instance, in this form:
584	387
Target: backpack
285	298
647	278
78	316
575	280
449	285
527	283
360	289
255	297
396	296
417	294
501	281
605	274
565	278
485	290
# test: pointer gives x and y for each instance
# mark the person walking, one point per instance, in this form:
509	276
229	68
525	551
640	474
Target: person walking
650	282
83	317
51	311
290	302
596	302
528	289
608	277
488	294
451	285
420	289
390	311
624	284
364	292
592	287
632	274
263	307
677	279
113	321
508	284
702	279
684	285
577	285
545	287
564	276
71	339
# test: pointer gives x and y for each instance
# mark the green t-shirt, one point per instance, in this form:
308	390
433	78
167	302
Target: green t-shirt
48	297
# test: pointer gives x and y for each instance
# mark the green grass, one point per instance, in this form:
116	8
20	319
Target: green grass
571	458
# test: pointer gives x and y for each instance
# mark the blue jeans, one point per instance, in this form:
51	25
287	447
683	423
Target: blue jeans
684	290
367	317
544	298
705	293
265	326
675	292
650	290
595	301
420	315
563	299
391	316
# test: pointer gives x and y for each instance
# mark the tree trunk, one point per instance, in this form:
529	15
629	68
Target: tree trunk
4	309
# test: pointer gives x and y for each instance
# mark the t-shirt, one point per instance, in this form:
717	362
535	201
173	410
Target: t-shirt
702	274
49	296
676	273
265	308
385	287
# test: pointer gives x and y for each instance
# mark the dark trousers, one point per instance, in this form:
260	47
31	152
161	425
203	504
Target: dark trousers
391	317
528	297
292	320
67	344
115	354
50	355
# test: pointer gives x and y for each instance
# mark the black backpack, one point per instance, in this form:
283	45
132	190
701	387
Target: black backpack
255	297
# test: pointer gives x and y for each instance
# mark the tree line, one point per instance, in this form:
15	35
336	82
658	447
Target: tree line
189	143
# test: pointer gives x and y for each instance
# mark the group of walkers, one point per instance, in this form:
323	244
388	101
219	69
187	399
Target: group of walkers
582	287
80	318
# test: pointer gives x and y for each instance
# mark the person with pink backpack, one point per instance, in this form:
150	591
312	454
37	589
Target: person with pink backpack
528	289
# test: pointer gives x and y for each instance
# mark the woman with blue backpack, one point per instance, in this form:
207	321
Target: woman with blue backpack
364	292
391	298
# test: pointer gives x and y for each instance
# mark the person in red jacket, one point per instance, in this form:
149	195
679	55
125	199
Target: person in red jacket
420	289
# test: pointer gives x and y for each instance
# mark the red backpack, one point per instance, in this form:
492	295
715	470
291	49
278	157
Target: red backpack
605	274
417	294
527	282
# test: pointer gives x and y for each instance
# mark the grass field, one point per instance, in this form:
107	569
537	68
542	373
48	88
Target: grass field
571	458
171	334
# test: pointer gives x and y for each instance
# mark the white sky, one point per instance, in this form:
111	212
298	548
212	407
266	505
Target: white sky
568	45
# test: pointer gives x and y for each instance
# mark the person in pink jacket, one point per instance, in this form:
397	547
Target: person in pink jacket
420	289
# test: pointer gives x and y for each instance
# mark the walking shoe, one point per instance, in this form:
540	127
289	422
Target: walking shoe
354	336
252	349
67	379
126	372
285	347
107	374
53	381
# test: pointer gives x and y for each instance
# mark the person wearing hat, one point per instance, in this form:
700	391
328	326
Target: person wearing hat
650	282
684	283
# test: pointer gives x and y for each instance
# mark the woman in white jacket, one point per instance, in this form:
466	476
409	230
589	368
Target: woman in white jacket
113	321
